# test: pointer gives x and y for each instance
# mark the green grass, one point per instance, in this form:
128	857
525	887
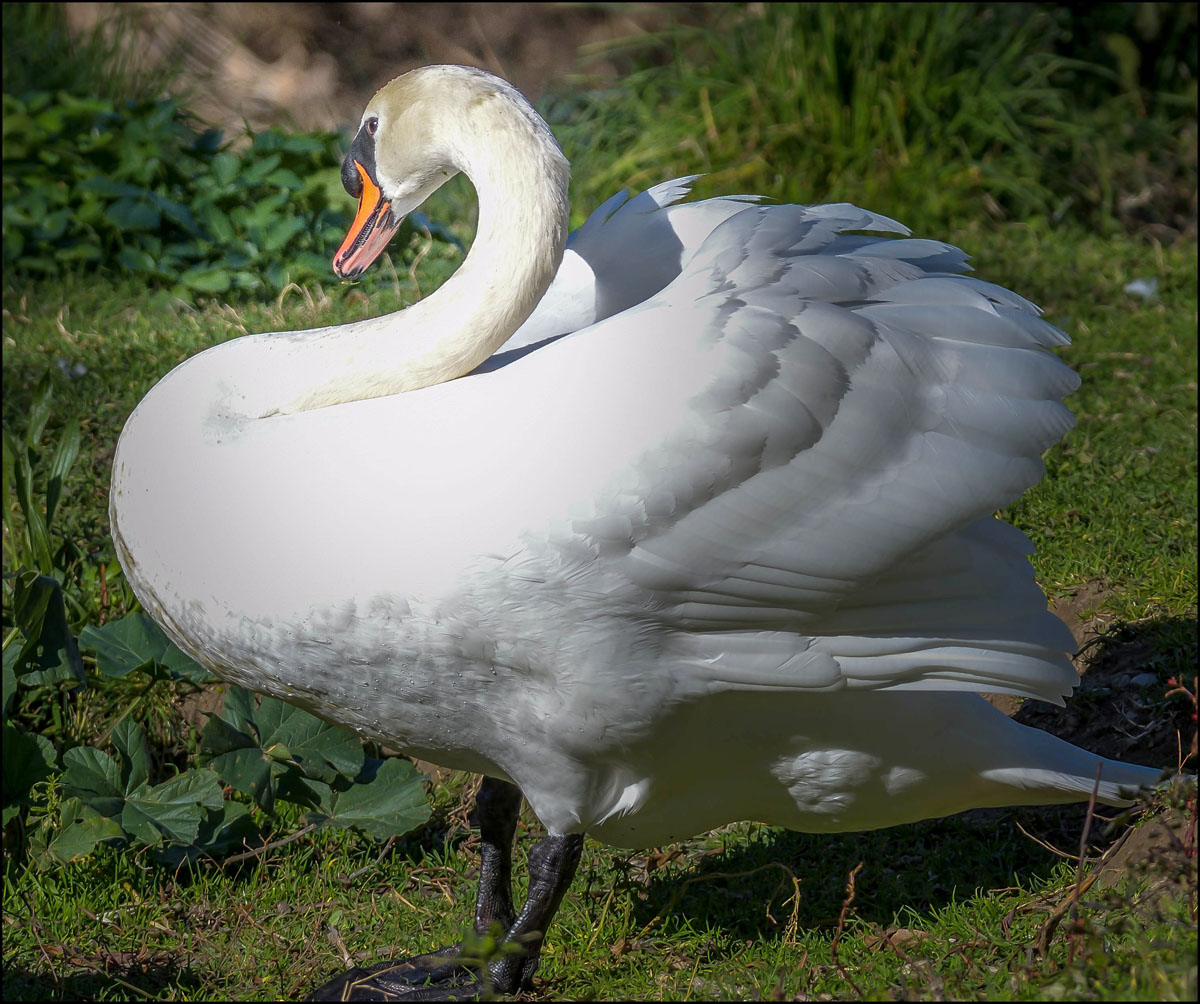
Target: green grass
952	112
713	918
1118	504
746	912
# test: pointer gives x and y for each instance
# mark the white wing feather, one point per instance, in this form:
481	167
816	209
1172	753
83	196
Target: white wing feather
820	515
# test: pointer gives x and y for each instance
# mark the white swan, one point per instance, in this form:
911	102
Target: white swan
724	551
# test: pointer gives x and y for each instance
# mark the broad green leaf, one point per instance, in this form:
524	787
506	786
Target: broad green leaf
230	746
278	275
322	751
51	120
257	171
239	710
130	740
49	653
281	231
173	809
225	168
82	828
93	776
276	750
391	805
28	759
217	223
104	185
230	828
262	213
221	735
292	786
134	214
32	595
249	771
136	260
136	643
284	178
183	666
208	280
326	183
53	225
176	211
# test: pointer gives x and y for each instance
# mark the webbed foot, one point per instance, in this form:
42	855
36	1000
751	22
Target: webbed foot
435	976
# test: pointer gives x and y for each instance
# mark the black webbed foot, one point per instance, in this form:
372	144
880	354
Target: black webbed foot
435	976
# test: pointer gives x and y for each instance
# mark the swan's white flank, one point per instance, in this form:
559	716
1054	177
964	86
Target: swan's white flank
724	550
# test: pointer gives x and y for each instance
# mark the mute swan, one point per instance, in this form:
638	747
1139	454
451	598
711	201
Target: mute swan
723	551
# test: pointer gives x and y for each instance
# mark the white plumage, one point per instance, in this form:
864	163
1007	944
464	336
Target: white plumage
723	550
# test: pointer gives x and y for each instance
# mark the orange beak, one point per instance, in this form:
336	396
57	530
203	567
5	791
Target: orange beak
370	232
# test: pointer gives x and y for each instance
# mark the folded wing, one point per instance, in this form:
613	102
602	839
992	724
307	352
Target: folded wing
821	517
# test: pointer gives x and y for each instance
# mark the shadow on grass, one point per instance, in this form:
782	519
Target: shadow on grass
98	976
919	867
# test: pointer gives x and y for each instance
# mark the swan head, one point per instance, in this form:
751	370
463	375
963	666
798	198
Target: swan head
417	133
394	164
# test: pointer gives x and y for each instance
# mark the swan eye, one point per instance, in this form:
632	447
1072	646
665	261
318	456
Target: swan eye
372	126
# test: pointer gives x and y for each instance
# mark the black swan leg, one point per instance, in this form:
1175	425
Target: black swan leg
552	865
439	975
496	809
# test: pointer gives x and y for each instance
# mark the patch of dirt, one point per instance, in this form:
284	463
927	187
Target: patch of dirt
1118	709
195	708
1161	856
1083	613
314	66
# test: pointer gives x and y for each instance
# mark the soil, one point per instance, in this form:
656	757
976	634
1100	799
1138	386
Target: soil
317	65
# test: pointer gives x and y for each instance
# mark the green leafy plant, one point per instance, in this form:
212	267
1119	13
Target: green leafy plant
274	750
102	173
266	750
133	188
33	593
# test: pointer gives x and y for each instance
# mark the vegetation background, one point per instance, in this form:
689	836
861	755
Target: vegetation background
170	181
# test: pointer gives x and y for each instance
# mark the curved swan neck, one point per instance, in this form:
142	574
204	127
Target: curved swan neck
487	131
520	178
